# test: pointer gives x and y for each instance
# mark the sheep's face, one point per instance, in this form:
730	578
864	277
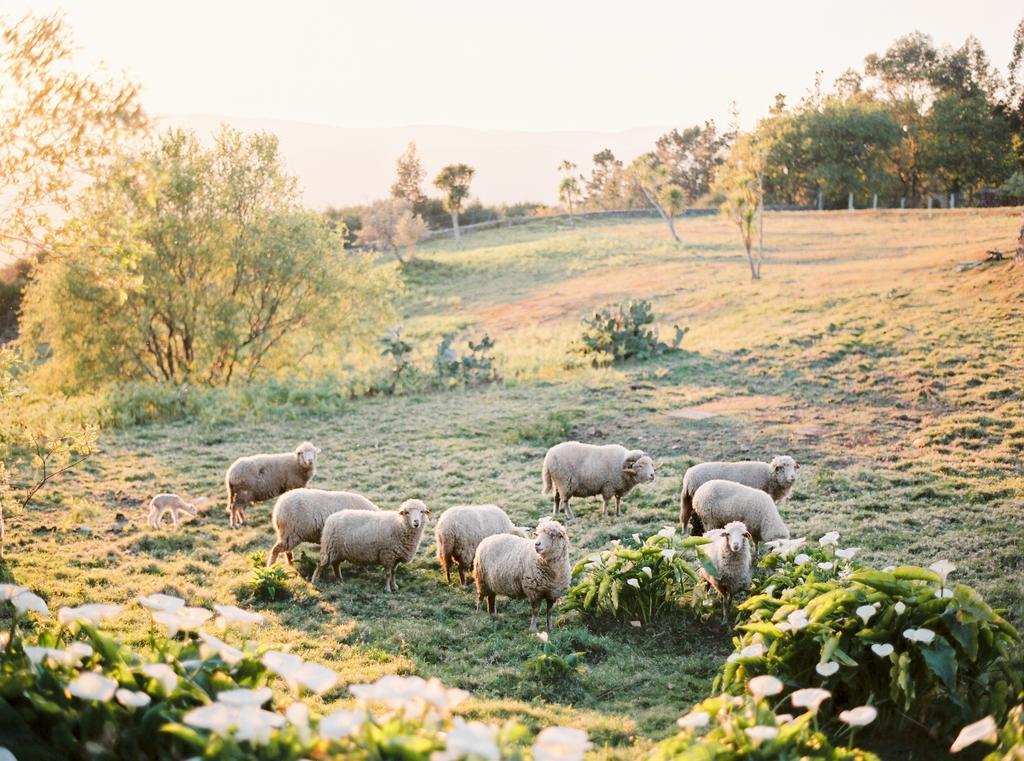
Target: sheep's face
548	535
736	535
642	469
306	454
414	513
189	508
785	469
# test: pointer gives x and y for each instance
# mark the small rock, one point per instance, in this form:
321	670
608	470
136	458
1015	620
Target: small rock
919	442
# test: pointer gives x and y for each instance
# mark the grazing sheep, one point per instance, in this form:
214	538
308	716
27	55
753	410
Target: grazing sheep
162	504
573	469
265	476
362	537
720	502
535	569
461	528
776	479
299	516
730	554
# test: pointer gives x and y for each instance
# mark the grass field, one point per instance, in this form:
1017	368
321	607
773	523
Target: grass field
893	379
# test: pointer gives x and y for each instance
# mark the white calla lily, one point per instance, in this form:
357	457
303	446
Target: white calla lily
694	720
860	716
984	730
561	744
92	686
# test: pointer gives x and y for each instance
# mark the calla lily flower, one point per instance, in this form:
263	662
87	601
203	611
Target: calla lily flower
759	734
162	673
755	650
161	601
764	685
829	539
93	614
984	730
232	616
827	669
883	650
213	646
25	601
92	686
633	583
669	554
900	607
922	635
859	717
132	699
826	566
802	558
470	740
182	619
847	553
694	720
667	532
341	724
943	568
561	744
809	697
865	612
242	697
9	591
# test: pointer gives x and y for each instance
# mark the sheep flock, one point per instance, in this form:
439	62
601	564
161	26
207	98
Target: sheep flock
735	505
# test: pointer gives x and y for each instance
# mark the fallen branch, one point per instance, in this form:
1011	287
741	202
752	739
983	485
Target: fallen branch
994	255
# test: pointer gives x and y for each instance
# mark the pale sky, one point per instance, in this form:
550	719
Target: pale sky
553	65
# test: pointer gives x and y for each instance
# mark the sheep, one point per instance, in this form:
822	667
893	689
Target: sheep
573	469
461	528
384	538
299	516
522	568
775	479
731	556
719	502
265	476
162	504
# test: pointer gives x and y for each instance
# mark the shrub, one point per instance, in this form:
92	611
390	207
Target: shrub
729	727
618	334
473	368
399	351
635	583
902	640
550	665
266	584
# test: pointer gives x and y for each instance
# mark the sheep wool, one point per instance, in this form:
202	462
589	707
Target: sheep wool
299	516
573	469
260	477
719	502
534	570
730	554
775	478
362	537
461	528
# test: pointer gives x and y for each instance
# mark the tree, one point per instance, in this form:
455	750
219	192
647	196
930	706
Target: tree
690	157
454	181
738	180
569	191
391	225
56	125
196	265
655	182
409	177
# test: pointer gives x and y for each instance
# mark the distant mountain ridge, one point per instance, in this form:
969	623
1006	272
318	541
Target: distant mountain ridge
342	166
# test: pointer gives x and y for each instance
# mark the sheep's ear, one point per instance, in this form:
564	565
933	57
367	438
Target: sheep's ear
317	450
796	465
749	536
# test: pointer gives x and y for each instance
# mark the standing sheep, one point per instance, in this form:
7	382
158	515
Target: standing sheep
776	479
162	504
731	556
299	516
573	469
265	476
520	568
461	528
719	502
361	537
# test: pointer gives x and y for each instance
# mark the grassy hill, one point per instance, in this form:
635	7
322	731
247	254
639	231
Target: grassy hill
893	379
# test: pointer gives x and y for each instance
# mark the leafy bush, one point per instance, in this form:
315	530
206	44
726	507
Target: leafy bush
552	666
400	353
902	640
71	692
473	368
267	584
635	583
747	727
616	335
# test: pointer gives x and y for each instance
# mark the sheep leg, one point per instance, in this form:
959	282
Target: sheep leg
462	575
174	517
618	503
151	519
569	514
446	565
288	554
492	608
388	571
554	511
337	570
534	612
550	603
316	574
274	551
604	506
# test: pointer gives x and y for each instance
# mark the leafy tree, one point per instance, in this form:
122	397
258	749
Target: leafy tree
391	225
409	178
691	157
56	125
187	264
654	180
454	181
569	191
739	181
605	185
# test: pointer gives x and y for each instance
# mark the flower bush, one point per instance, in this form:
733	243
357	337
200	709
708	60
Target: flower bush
636	580
731	727
904	640
618	334
552	666
71	692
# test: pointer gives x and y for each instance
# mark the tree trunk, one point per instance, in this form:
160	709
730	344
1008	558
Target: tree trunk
670	221
455	227
1020	242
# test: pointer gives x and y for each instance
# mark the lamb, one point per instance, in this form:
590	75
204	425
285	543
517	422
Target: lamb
719	502
299	516
573	469
731	556
775	479
461	528
520	568
362	537
162	504
265	476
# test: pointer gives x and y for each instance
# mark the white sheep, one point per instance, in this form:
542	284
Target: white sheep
730	554
574	469
362	537
260	477
776	479
461	528
299	516
535	569
720	502
162	504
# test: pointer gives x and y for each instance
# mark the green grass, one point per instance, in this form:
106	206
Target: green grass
893	380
